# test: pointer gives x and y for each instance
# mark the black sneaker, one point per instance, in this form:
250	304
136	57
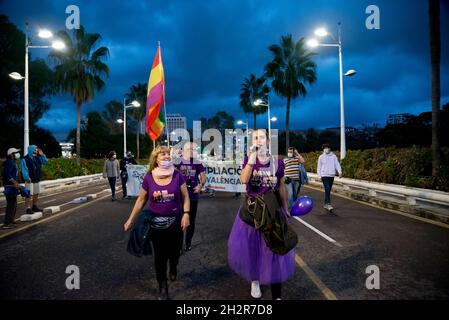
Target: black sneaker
36	209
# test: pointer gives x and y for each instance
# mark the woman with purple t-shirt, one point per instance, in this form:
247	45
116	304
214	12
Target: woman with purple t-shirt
166	191
248	255
194	174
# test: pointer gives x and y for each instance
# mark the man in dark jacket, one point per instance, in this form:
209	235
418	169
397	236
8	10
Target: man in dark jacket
31	166
124	163
11	186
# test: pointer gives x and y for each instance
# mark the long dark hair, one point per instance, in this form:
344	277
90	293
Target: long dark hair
111	153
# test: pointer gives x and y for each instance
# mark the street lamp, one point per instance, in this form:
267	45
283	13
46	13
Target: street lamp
260	102
134	104
57	45
322	32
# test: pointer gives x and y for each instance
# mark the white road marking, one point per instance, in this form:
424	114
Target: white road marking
48	201
325	236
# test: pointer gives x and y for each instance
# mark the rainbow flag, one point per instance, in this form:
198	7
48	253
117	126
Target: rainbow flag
155	98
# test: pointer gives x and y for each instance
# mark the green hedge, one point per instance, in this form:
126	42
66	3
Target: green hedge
410	167
59	168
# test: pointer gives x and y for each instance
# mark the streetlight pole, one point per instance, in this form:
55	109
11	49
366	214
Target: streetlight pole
26	130
58	45
342	104
134	104
338	43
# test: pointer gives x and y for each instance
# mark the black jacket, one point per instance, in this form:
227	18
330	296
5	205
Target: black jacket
139	239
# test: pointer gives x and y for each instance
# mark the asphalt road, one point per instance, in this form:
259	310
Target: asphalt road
333	253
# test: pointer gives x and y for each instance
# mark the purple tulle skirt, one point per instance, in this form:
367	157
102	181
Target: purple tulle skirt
252	260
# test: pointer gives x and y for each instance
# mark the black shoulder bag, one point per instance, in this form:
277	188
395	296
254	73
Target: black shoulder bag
263	213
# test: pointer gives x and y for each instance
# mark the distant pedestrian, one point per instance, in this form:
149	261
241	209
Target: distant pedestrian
293	174
165	190
11	187
31	167
194	174
111	170
327	167
124	163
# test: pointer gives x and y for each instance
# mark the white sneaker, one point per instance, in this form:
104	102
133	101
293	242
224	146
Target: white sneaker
255	290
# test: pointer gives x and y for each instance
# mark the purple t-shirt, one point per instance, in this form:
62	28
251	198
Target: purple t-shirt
263	174
191	171
164	200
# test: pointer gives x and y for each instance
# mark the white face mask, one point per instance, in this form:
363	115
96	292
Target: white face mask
290	154
17	155
327	150
114	156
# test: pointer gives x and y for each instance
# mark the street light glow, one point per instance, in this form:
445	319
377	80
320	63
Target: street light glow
321	32
16	76
45	34
58	45
313	43
274	119
120	121
240	122
258	102
135	103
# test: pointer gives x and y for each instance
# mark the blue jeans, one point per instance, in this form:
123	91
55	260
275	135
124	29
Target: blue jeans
292	191
327	183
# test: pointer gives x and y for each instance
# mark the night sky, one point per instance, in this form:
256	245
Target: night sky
210	47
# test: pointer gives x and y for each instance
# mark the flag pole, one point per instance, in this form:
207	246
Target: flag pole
163	92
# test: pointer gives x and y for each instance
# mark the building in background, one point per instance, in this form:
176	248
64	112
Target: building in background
398	118
176	121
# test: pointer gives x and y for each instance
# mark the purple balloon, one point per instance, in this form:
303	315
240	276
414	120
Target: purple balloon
302	206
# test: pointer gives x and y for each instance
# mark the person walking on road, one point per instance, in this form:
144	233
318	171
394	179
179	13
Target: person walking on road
111	170
31	167
327	167
248	254
11	187
165	190
124	163
194	174
293	174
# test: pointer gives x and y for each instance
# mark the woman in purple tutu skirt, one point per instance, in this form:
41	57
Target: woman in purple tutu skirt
248	255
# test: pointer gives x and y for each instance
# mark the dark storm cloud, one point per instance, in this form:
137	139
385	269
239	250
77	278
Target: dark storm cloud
209	47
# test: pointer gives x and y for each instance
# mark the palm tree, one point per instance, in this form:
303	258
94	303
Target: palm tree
79	70
435	58
138	92
253	88
113	111
291	69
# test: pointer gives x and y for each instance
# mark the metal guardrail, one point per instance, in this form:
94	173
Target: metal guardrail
48	185
408	194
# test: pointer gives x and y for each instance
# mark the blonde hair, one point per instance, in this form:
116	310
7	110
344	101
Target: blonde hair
154	154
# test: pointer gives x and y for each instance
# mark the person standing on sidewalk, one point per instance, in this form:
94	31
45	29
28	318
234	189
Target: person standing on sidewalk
111	170
327	167
31	167
293	174
11	186
194	174
165	190
124	163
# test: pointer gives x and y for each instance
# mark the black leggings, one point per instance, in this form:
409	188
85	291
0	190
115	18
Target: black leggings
112	181
276	290
192	218
167	244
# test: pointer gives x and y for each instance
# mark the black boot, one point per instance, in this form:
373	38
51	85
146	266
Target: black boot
163	291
